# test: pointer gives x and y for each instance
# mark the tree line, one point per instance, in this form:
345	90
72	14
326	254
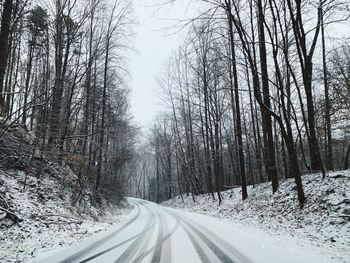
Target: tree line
256	93
63	75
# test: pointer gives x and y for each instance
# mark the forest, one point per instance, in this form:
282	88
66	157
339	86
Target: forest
63	77
246	158
258	91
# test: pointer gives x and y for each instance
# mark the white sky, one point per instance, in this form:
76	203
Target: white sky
154	42
153	45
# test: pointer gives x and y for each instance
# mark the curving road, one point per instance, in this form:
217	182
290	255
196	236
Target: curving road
153	233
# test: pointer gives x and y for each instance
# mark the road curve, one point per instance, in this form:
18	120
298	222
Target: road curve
154	233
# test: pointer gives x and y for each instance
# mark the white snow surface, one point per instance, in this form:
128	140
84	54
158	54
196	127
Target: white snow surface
322	226
155	233
42	202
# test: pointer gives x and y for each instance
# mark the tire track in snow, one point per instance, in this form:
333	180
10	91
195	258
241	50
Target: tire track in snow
200	252
159	245
130	252
157	254
165	251
122	243
211	245
166	241
209	235
140	252
86	250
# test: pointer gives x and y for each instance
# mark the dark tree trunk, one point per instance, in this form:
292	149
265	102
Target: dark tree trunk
206	125
103	117
305	54
57	92
329	150
315	157
346	161
267	122
238	109
4	39
28	75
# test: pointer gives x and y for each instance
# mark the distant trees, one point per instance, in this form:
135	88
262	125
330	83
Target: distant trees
338	75
241	95
63	76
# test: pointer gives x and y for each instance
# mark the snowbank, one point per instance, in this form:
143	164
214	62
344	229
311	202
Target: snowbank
36	197
322	224
47	220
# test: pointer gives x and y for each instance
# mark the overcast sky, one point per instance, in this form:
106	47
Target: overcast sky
153	44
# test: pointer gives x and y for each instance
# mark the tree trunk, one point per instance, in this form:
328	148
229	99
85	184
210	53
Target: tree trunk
267	122
4	38
57	92
239	138
28	75
104	102
329	151
346	161
314	148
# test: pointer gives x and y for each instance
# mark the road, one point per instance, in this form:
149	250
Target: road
153	233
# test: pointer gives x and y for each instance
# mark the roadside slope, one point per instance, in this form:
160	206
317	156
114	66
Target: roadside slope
38	211
46	218
322	223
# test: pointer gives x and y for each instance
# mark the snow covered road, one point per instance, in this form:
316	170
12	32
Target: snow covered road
154	233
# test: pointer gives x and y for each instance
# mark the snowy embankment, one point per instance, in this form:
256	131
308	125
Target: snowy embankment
323	224
47	220
36	201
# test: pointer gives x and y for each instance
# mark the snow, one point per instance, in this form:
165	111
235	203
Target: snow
341	125
42	202
180	236
253	246
319	226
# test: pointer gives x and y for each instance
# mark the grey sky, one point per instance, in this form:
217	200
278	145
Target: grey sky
153	45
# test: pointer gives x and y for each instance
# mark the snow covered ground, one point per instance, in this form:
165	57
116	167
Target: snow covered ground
48	220
322	225
155	233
